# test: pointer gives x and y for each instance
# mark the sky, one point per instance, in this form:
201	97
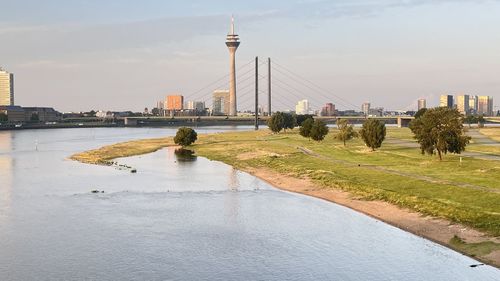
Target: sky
125	55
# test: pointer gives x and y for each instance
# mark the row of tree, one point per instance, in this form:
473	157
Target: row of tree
373	131
437	130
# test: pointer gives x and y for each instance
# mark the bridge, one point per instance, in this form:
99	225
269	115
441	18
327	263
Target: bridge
401	121
283	88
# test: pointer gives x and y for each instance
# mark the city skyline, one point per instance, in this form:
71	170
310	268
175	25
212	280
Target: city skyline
370	52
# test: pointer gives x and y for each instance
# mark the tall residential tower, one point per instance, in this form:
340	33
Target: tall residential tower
232	43
6	88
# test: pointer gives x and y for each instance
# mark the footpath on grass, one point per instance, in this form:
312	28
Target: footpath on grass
451	202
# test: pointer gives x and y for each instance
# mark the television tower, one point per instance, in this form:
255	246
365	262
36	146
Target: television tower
232	43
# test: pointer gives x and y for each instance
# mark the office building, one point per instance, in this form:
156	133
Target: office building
174	102
485	105
195	105
328	110
6	88
422	103
221	103
302	107
473	104
463	104
365	108
446	101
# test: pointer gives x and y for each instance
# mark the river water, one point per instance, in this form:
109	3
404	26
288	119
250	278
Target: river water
186	219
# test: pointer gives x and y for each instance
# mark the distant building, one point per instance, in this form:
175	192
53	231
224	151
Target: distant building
174	102
378	111
473	104
42	114
446	101
422	103
485	105
30	114
365	108
328	110
105	114
302	107
6	88
195	105
14	113
463	104
220	105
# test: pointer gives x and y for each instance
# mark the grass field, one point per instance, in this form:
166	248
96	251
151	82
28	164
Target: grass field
493	133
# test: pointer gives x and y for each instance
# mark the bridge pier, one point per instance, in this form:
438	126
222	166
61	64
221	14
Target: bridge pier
403	122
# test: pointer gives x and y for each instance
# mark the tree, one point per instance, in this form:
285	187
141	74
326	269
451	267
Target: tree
346	131
155	111
440	130
373	133
420	112
303	117
289	121
276	122
318	130
185	136
305	129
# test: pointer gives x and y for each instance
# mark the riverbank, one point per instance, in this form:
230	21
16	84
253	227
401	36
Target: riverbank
436	200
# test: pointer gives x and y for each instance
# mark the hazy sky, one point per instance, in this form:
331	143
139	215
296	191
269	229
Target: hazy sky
122	54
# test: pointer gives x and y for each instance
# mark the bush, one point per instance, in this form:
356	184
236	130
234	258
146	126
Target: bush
185	136
305	129
373	133
318	130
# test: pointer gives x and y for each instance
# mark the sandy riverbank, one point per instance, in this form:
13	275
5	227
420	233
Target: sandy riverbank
437	230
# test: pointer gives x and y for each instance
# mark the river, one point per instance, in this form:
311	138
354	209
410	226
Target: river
186	219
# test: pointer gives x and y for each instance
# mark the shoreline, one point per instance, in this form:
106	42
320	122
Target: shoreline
437	230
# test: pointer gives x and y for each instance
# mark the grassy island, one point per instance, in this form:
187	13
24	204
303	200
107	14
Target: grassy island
455	202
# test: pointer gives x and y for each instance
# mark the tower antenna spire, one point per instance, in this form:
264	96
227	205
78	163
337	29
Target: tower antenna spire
232	24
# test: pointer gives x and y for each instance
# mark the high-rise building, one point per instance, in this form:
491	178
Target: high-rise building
232	43
328	110
422	103
174	102
365	108
221	103
485	105
463	104
446	101
302	107
6	88
195	105
473	104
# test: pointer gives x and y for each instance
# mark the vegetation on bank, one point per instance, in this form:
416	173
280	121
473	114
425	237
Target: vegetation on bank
104	155
474	249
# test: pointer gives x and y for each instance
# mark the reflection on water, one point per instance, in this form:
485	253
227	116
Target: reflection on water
185	155
194	220
6	170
